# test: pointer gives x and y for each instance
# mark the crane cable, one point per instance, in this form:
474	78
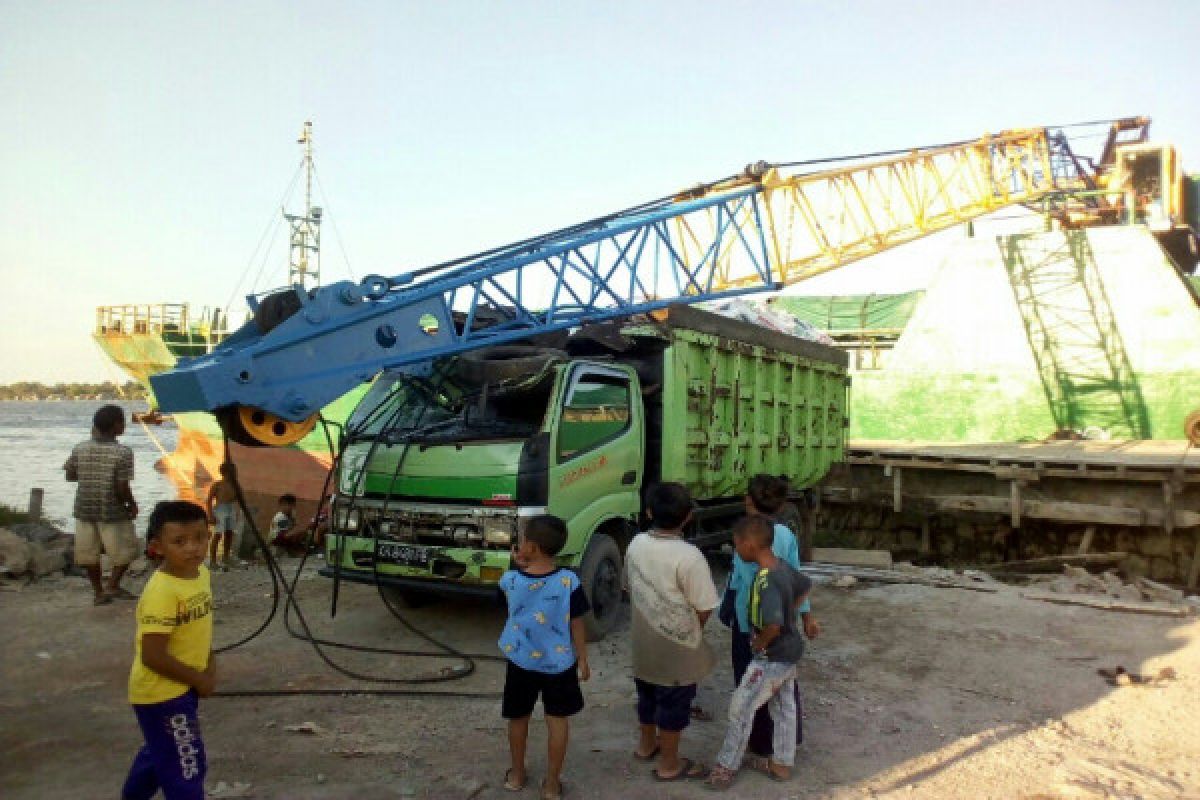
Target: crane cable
281	586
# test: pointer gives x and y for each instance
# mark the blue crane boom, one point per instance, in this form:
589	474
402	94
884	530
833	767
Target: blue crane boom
754	232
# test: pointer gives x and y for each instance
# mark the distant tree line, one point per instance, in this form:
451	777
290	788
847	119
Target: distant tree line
32	390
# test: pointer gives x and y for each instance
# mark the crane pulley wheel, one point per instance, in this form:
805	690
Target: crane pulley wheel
254	427
1191	428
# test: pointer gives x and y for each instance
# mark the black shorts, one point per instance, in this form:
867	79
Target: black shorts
669	708
560	693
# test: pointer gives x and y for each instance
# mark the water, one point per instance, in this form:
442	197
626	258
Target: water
37	437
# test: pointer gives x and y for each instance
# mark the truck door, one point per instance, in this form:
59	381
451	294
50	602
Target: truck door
596	449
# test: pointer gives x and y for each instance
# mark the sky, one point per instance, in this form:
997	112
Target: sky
146	146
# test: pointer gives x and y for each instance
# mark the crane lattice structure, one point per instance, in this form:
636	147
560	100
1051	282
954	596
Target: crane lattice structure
765	228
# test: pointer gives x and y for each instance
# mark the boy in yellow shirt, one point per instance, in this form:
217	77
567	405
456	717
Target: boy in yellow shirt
173	663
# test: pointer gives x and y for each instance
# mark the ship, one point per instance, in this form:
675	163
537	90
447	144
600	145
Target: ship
145	339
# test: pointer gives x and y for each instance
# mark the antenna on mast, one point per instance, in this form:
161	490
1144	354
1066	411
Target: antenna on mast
304	256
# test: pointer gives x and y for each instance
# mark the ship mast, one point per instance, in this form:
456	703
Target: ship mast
304	256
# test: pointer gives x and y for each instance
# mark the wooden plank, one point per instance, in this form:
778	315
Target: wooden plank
1109	604
1056	563
895	576
879	559
1064	511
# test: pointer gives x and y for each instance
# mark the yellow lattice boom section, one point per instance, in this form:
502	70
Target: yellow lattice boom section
819	221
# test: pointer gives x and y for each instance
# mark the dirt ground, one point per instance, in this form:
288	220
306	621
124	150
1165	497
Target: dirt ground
910	692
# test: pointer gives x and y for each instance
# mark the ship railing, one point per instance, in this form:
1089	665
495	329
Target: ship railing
142	318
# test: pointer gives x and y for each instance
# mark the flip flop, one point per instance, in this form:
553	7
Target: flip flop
653	754
101	600
509	786
562	790
685	773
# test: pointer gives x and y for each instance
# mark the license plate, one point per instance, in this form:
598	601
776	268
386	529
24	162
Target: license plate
407	554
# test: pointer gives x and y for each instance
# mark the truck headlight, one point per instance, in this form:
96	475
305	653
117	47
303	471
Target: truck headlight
498	533
347	519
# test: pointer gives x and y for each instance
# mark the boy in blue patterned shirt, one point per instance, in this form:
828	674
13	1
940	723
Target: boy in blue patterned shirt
546	648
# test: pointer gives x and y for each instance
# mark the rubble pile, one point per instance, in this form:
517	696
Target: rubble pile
1076	580
34	550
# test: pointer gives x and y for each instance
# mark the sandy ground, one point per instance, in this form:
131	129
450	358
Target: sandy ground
910	692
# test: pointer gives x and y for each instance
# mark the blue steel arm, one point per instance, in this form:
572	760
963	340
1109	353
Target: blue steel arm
346	333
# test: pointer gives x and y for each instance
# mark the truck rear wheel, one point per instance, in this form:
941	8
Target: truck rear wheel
600	573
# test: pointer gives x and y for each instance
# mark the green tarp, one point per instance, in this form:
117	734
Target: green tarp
852	312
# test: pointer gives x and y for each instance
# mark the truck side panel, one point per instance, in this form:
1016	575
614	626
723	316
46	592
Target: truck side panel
748	409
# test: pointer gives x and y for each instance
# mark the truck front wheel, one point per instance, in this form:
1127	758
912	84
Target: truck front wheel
600	573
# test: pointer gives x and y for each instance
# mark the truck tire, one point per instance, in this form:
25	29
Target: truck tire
504	362
600	574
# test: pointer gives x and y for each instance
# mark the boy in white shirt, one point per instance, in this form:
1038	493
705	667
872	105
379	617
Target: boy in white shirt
673	596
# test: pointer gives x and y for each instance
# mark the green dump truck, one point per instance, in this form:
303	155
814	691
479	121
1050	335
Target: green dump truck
438	472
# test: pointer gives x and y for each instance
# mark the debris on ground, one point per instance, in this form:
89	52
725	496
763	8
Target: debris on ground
1119	676
235	789
1078	581
305	727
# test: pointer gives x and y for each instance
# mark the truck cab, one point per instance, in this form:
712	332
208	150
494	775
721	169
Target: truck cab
438	474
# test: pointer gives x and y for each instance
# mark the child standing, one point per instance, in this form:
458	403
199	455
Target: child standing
673	596
546	648
764	496
222	510
173	663
283	526
777	645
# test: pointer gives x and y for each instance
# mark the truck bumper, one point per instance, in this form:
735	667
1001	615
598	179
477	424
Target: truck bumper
422	585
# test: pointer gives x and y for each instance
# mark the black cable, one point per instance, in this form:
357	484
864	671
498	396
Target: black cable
278	579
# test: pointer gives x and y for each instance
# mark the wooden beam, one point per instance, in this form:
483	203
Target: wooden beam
1064	511
1089	533
1194	572
1109	604
1056	563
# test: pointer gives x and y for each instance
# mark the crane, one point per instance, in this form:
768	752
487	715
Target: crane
769	226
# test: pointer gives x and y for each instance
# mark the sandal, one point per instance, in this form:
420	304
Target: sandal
653	754
719	779
510	785
688	770
101	600
547	795
763	764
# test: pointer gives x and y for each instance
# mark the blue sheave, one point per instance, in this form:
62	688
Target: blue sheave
741	576
537	635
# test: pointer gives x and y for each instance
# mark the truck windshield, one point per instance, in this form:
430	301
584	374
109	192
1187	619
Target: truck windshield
398	408
398	403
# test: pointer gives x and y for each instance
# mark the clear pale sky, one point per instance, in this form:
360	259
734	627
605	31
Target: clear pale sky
144	146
